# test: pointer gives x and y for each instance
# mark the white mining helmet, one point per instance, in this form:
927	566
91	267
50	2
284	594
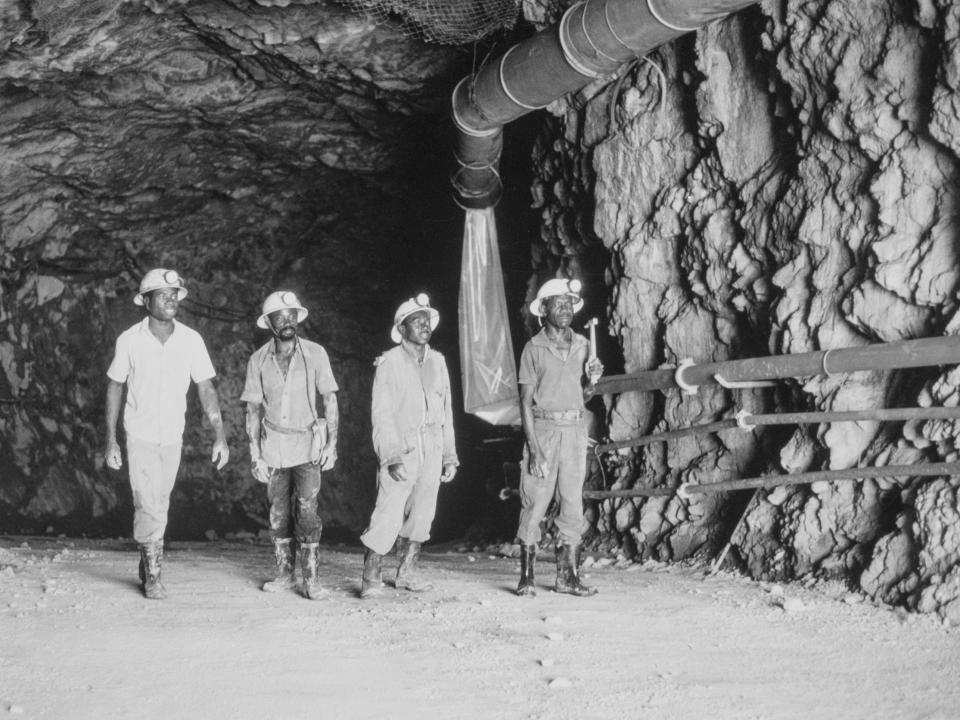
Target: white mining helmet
281	300
157	279
552	288
408	308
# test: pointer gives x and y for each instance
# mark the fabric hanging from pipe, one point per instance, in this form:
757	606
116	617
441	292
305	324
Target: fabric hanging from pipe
486	351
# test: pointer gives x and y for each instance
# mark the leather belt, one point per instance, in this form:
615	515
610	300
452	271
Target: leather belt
285	430
560	415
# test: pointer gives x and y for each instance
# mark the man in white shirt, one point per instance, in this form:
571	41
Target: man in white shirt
156	359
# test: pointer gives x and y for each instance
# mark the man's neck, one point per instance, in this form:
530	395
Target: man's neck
160	329
418	351
558	335
284	347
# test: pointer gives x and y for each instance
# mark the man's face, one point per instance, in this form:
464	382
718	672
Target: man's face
416	328
284	323
558	310
162	304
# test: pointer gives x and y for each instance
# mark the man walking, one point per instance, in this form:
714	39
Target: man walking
552	367
156	359
413	437
289	442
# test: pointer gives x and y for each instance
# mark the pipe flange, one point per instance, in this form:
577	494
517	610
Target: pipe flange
741	418
506	90
686	387
659	18
566	45
459	121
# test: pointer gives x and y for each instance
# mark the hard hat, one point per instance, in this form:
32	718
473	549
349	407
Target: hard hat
552	288
280	300
408	308
157	279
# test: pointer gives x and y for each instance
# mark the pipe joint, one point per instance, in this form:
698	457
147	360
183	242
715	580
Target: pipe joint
577	60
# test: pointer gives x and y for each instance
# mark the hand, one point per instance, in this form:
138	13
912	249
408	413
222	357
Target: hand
113	456
260	471
220	454
594	370
398	472
328	457
538	464
449	470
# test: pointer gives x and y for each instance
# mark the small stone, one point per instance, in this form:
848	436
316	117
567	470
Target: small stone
471	558
485	603
15	710
792	605
554	636
546	662
559	682
458	645
852	599
588	561
553	620
210	535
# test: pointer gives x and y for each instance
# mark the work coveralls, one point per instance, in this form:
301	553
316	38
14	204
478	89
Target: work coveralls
289	403
559	424
412	422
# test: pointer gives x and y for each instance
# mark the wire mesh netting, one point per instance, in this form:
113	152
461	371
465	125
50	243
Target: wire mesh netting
448	22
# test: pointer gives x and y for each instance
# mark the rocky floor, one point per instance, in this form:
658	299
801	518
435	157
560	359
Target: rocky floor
658	642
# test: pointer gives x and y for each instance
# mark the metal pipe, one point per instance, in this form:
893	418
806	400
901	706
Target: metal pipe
882	356
746	422
806	478
594	39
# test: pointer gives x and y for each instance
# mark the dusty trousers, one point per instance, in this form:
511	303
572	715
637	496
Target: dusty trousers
407	508
564	443
153	470
292	493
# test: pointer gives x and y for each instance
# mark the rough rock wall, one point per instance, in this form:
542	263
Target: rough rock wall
249	145
781	182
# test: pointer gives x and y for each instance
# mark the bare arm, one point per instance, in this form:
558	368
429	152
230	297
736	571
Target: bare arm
331	412
211	408
112	449
538	461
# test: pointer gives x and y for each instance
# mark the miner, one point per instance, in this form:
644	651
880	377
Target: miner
413	438
156	359
552	367
290	442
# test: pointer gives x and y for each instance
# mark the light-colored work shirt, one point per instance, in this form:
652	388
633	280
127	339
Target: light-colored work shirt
158	376
554	374
409	397
289	400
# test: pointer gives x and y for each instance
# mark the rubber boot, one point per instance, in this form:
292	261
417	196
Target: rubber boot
568	572
372	584
528	559
285	580
309	557
408	552
151	561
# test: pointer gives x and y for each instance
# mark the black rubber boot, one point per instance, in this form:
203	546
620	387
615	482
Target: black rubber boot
309	558
151	561
528	559
568	572
408	553
285	580
372	584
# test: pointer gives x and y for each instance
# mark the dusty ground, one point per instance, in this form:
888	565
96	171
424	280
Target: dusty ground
78	641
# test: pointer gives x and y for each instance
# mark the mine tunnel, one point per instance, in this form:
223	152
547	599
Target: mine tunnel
759	200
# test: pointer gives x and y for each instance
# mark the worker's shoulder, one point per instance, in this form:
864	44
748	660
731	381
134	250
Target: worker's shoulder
310	347
388	356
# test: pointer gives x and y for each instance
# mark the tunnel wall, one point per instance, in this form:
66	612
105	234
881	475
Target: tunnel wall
780	182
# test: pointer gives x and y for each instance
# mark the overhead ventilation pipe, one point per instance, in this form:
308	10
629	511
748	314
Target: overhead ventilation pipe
593	39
